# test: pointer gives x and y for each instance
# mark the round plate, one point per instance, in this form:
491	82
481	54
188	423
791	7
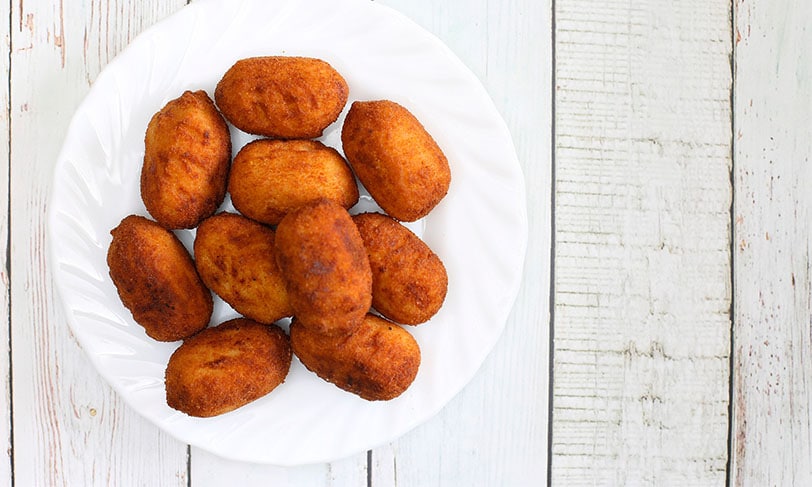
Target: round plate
479	230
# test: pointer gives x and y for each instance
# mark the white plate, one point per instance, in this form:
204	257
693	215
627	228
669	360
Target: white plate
479	230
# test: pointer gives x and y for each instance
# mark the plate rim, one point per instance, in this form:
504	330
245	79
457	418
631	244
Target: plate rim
52	213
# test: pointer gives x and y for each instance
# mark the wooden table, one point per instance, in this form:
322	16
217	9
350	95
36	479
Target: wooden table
663	327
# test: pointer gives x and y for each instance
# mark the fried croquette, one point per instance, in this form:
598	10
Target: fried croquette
269	178
324	263
157	281
235	258
398	162
409	281
377	361
282	97
187	150
227	366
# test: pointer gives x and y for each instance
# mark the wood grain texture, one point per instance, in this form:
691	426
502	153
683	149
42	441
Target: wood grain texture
642	276
495	431
642	265
69	428
211	471
5	320
772	435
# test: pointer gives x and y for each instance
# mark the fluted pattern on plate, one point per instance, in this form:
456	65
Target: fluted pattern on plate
479	230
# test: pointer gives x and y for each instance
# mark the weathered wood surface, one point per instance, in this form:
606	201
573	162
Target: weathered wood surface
649	124
5	321
772	434
69	428
642	225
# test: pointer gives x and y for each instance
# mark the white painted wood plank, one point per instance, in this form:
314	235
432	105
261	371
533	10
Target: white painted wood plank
211	471
69	427
772	408
5	320
495	431
642	274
